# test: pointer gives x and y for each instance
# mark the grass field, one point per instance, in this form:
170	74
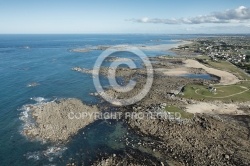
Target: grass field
237	92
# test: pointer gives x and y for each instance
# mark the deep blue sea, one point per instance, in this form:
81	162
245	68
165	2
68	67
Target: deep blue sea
47	60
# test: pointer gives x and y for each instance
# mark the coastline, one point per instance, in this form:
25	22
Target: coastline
52	121
158	47
173	139
226	78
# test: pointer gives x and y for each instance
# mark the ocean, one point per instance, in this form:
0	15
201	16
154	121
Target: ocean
47	60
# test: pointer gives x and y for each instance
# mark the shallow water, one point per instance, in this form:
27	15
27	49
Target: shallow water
201	76
47	60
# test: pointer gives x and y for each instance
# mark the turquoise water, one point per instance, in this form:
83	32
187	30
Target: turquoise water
47	60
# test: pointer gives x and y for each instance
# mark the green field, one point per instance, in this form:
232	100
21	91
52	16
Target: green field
237	92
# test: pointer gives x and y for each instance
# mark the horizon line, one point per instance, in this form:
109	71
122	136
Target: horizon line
124	34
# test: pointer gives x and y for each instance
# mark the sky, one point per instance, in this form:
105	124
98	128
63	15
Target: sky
113	16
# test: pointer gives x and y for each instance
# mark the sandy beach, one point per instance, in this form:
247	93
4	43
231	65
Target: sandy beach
174	72
214	108
226	78
164	47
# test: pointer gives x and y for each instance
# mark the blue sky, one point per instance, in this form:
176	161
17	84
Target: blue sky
113	16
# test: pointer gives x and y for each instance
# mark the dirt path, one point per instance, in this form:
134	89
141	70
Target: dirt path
211	108
226	77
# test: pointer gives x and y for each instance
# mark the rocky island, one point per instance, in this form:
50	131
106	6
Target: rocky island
57	121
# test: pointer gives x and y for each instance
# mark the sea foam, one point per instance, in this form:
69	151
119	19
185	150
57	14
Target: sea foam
39	99
50	153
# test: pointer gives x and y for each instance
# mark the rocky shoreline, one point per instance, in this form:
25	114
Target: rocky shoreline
57	121
132	157
203	139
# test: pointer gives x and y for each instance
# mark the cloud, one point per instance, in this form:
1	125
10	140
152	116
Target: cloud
238	15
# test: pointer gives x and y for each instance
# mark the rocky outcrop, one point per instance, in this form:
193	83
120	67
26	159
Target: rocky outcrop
57	121
204	140
131	157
